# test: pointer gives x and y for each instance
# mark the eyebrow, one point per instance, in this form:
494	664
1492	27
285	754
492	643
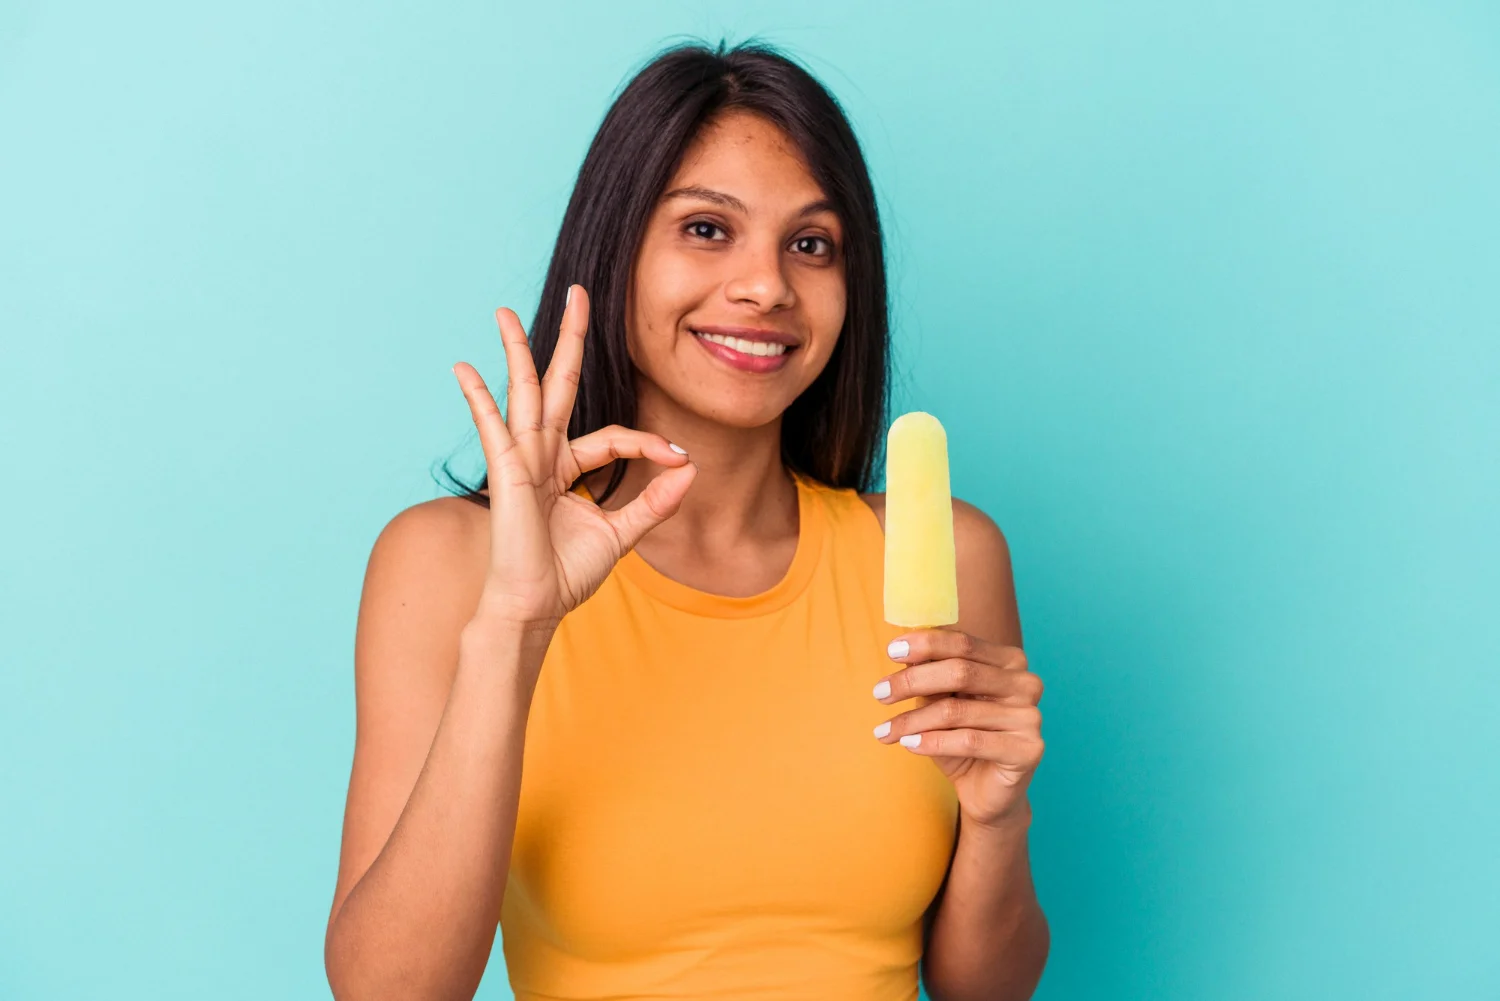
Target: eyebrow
729	201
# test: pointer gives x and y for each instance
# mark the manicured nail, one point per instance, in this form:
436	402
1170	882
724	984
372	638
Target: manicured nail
569	300
898	649
677	448
883	729
911	740
883	689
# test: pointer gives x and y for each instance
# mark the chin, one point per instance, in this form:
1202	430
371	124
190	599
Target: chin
742	414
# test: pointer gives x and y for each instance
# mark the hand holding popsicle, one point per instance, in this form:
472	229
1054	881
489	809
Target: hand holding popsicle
979	721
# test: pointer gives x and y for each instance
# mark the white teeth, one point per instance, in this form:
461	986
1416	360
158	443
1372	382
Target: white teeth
743	346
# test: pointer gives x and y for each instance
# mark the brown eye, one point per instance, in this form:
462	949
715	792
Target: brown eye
703	229
809	245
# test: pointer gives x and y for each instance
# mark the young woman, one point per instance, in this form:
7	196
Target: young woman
619	699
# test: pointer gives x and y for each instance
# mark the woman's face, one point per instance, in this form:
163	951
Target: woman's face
738	293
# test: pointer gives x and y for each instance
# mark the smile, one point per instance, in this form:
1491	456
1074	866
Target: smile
744	354
744	347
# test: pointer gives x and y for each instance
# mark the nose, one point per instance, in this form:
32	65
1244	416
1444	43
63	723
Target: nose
758	277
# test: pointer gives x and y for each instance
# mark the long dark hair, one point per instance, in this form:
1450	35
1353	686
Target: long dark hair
834	430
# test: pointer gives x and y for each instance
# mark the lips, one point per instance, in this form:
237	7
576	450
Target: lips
745	353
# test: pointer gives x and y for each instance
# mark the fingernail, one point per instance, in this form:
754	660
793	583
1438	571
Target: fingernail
883	729
911	740
898	649
569	300
677	448
883	689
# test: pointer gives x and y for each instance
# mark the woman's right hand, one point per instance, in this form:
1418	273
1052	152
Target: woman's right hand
551	548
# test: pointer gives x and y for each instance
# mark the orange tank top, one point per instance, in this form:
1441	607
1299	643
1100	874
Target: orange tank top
704	812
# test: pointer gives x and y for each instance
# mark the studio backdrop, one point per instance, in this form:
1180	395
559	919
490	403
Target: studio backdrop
1206	294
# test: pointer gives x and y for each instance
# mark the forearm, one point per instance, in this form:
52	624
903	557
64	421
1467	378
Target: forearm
989	938
421	921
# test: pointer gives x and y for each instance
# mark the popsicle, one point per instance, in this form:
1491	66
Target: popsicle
921	577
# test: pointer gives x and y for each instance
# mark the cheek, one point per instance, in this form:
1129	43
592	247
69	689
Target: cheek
667	286
826	303
672	271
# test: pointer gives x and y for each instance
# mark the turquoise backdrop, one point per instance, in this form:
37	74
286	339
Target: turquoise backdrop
1208	295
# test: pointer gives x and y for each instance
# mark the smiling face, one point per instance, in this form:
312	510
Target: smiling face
738	293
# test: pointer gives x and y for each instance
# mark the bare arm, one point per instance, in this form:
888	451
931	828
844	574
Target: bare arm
441	716
454	623
989	938
984	935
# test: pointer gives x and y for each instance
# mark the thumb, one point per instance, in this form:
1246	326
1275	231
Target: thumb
654	505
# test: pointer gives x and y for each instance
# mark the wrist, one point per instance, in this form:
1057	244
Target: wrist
1013	823
506	642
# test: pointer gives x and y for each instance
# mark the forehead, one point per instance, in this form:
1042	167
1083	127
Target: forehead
749	154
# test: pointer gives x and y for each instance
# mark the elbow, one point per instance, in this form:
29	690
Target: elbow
336	965
1007	969
358	971
1033	961
349	979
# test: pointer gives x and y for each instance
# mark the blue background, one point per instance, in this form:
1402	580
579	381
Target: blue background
1206	294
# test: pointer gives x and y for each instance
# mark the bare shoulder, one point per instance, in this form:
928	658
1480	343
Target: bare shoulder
423	579
986	587
436	538
976	535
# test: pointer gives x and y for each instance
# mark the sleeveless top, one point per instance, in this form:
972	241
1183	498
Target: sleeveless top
704	812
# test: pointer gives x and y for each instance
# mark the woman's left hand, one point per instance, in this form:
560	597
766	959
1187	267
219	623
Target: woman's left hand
981	724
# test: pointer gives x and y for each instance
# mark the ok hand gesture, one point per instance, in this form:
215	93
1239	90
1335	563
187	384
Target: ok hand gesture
550	548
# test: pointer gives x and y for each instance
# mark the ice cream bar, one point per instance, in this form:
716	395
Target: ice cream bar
921	577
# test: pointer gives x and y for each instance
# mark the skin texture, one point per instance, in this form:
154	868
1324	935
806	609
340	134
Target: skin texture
451	632
702	262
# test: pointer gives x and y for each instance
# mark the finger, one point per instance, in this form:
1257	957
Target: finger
560	384
935	644
494	436
1011	749
616	442
986	681
652	506
523	398
961	714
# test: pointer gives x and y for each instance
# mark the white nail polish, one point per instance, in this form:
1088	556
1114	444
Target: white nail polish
569	300
883	729
911	740
898	649
883	689
677	448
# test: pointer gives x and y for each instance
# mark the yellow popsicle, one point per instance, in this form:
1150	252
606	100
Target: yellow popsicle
921	576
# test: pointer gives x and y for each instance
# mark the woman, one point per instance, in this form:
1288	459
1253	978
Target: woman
647	756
